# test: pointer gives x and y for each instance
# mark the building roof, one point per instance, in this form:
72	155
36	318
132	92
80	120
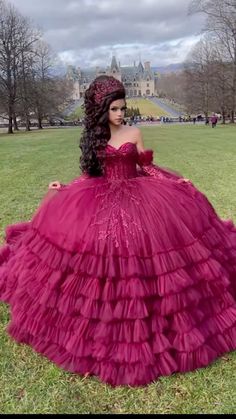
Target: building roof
114	65
128	73
140	68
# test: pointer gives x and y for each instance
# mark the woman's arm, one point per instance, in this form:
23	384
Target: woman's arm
148	168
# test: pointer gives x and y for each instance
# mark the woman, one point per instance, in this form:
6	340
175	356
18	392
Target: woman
127	274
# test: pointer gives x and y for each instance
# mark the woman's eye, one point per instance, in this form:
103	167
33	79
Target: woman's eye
115	109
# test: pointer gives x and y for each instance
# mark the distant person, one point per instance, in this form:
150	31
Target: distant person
214	121
207	121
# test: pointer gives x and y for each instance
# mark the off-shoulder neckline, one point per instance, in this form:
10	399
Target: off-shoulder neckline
122	145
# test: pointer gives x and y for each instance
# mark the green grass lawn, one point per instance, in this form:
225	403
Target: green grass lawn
30	383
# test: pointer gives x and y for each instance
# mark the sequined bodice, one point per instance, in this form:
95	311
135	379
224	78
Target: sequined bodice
120	163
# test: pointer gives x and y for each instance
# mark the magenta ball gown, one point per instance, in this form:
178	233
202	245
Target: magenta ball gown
129	276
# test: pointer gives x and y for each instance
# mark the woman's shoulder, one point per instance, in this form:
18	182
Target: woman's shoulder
133	132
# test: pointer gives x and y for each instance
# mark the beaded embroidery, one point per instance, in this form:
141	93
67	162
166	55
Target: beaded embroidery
111	217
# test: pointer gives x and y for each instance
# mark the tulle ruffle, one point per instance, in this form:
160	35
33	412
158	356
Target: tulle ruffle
127	280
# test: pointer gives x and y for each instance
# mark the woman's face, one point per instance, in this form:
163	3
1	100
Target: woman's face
117	112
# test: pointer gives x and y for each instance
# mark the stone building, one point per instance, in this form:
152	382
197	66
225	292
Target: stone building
139	80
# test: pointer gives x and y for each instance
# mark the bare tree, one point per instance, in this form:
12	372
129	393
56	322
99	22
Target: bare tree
24	101
221	83
16	38
48	91
171	86
199	74
221	23
28	85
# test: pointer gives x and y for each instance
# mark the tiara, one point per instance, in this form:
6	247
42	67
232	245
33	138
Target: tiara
106	87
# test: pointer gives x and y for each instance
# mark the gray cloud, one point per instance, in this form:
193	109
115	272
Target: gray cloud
85	32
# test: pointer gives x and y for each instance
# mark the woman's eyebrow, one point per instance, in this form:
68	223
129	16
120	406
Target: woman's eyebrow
118	107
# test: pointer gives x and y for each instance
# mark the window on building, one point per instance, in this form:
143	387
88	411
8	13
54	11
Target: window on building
148	92
147	84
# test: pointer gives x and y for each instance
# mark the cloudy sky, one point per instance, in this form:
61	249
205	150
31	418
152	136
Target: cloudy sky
87	33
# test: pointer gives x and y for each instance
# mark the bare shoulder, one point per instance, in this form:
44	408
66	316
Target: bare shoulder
133	132
135	136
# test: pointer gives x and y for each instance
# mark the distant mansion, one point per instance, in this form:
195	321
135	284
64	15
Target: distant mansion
138	80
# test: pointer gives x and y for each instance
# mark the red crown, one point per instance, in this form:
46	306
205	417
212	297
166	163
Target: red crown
105	87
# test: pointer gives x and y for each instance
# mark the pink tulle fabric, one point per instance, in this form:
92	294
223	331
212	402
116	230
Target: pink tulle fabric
129	276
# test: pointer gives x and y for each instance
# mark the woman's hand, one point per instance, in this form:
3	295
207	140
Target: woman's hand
54	185
183	180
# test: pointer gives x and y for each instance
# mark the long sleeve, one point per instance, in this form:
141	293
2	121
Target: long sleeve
148	168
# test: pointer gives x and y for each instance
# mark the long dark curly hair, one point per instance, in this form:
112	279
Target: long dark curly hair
96	132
